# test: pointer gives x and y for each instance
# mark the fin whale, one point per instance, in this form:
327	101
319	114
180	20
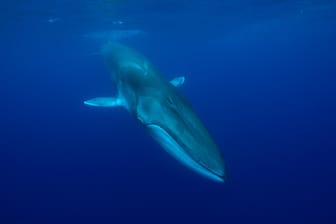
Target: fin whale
162	109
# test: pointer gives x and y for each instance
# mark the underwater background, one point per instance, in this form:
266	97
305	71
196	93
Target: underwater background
260	75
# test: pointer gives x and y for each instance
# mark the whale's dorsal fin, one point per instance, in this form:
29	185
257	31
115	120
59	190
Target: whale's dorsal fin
178	81
105	102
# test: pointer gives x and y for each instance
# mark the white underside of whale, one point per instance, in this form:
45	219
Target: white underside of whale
174	149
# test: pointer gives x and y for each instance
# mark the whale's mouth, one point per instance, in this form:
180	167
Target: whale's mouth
176	150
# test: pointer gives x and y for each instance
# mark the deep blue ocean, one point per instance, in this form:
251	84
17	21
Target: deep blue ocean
260	74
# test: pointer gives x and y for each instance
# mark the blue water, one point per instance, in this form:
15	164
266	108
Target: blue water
260	74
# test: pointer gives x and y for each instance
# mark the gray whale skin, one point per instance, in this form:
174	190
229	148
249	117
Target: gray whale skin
160	108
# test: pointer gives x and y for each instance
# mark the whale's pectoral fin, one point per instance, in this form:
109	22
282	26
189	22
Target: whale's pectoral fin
104	102
177	82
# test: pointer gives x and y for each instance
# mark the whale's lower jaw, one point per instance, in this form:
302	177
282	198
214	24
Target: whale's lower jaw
173	148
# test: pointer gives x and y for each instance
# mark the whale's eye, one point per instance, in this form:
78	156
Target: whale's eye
169	100
171	103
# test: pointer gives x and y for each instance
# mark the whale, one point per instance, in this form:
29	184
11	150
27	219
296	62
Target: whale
160	107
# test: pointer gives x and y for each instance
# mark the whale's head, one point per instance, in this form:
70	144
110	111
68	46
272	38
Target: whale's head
171	121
